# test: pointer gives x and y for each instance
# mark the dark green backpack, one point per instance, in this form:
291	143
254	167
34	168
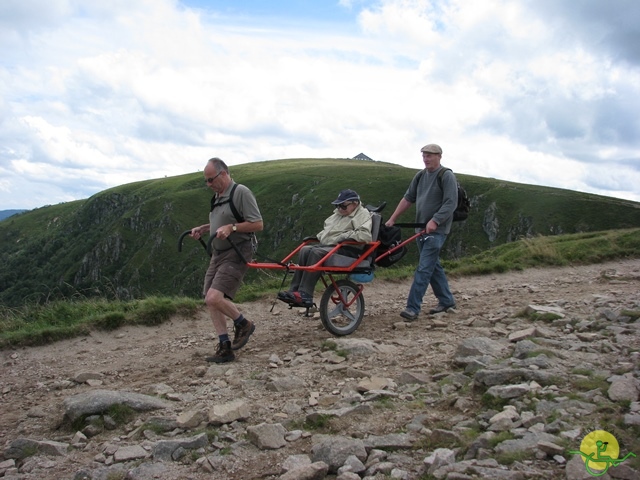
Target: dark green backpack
464	204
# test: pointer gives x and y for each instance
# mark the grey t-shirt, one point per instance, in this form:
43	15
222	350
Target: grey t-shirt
431	201
245	203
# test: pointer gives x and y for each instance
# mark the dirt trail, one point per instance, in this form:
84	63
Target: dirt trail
34	381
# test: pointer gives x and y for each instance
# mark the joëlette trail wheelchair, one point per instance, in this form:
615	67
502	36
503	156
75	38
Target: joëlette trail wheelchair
342	303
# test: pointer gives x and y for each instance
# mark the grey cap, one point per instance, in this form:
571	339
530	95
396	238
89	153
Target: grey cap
432	148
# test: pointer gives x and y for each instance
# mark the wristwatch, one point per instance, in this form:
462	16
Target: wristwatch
234	227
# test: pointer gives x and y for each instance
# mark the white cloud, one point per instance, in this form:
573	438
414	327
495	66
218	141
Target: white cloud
121	91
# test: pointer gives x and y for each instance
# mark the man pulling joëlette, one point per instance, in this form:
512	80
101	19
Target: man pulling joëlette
226	268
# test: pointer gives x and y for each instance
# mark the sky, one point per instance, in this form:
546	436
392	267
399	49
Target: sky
97	94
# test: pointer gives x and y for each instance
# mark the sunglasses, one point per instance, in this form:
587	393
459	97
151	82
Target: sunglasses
343	206
211	179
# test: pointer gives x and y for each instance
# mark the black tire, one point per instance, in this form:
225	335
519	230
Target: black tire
336	317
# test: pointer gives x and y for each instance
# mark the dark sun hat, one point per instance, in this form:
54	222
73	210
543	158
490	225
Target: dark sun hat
346	196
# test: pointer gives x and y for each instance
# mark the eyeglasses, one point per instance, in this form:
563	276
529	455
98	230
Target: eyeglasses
344	206
211	179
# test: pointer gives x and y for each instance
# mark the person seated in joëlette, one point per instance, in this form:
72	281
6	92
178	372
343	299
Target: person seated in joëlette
350	221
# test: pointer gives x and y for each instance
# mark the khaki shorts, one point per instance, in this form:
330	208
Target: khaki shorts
226	271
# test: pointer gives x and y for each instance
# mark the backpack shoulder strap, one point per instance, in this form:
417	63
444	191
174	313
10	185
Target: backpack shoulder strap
239	218
441	173
234	210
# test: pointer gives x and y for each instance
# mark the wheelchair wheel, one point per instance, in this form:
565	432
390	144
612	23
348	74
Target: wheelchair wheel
336	316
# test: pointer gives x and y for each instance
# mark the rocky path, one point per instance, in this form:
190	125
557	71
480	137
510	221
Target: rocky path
494	390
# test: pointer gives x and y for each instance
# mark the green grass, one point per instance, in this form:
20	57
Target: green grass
331	345
587	372
116	475
537	353
560	250
546	317
512	457
496	403
633	314
499	438
592	382
385	403
121	413
318	422
35	324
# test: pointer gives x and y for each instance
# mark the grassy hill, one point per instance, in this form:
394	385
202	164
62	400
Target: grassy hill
122	243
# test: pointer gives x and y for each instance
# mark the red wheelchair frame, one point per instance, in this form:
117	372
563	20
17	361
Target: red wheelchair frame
342	304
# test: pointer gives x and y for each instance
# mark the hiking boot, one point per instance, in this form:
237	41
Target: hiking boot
223	354
441	308
408	315
242	334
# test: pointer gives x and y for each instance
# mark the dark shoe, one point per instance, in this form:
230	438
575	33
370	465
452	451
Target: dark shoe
296	299
441	308
302	299
286	297
242	334
223	354
408	315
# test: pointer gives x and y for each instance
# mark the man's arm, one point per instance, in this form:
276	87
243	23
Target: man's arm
244	227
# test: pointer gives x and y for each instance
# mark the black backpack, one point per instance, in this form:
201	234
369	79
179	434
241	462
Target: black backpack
464	204
390	237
